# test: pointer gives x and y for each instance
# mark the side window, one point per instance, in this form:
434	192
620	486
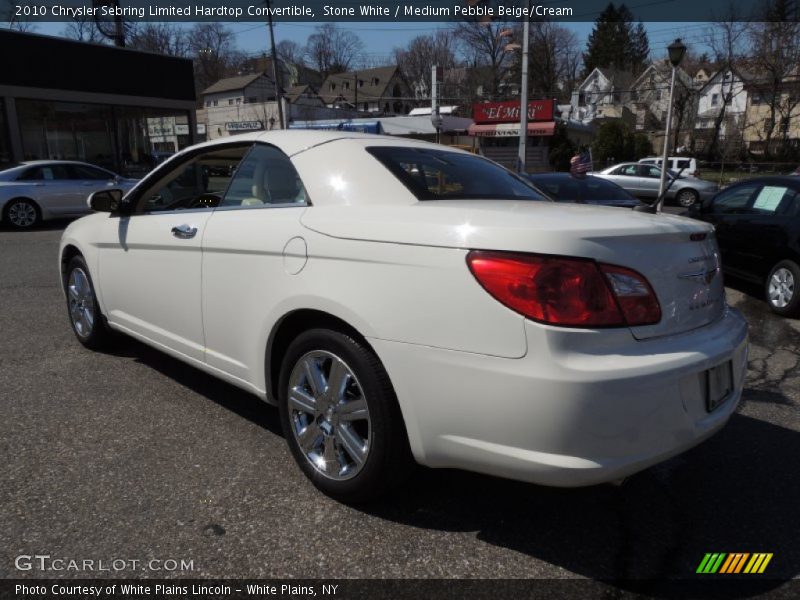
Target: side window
266	177
45	173
734	200
630	170
86	172
34	174
651	172
792	203
199	181
774	199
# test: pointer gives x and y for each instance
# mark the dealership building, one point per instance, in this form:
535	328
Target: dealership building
113	107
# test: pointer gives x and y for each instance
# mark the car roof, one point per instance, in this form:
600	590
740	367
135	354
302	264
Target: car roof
790	180
564	175
294	141
33	163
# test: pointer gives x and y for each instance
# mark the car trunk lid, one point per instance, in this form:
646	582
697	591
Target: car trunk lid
678	256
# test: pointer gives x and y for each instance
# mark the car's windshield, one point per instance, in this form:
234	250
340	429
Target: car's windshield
433	174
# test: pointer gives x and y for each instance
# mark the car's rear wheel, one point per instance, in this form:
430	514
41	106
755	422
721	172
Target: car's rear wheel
687	197
84	311
22	213
341	418
782	288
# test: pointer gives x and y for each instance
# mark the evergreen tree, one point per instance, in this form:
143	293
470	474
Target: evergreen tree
616	43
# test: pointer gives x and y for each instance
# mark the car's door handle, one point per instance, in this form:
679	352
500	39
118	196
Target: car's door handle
184	232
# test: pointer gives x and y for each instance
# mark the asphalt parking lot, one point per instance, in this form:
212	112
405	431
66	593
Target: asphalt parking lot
133	455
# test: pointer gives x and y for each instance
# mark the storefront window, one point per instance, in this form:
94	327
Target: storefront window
148	136
126	139
5	144
66	131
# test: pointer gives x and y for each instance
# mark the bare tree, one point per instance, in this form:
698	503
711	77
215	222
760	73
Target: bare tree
290	52
13	22
84	29
484	46
726	38
161	38
332	50
420	55
775	56
213	48
554	57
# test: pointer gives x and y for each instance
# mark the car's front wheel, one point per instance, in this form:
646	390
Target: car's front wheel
687	197
341	418
782	288
21	213
84	311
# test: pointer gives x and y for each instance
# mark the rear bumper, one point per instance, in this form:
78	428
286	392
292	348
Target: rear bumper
582	407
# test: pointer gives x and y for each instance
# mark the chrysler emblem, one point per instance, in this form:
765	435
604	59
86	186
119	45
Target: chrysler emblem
704	275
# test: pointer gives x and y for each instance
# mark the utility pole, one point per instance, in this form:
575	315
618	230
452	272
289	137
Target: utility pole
436	117
355	83
523	99
276	72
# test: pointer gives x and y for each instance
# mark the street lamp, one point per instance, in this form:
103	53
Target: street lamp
676	52
523	99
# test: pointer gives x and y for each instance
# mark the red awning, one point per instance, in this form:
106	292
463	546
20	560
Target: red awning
512	129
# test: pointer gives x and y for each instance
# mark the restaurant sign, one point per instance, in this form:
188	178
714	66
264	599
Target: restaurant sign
508	112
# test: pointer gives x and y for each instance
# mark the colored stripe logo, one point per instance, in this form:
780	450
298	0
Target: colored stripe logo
734	562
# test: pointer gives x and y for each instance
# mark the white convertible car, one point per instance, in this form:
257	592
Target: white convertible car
402	301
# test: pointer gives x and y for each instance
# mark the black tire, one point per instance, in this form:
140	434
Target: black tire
783	294
388	460
22	213
687	197
93	334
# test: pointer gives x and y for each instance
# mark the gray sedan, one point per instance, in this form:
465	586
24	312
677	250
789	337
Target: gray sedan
643	180
34	191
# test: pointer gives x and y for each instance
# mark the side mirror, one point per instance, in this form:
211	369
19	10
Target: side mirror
105	200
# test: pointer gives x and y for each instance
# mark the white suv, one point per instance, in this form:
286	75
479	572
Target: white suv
676	163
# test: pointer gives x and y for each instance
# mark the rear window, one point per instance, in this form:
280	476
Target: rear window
566	188
433	174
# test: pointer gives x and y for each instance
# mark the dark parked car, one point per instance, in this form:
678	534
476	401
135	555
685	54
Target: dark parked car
758	229
564	187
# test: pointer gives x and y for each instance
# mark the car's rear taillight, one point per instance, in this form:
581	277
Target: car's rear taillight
566	291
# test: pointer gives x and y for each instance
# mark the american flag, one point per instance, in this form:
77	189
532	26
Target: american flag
580	164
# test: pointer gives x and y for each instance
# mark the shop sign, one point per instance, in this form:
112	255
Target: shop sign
508	112
243	126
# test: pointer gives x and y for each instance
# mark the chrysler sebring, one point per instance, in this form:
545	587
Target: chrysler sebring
405	302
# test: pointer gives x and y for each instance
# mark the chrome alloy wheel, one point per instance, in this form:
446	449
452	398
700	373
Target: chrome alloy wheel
22	214
81	303
781	288
328	414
